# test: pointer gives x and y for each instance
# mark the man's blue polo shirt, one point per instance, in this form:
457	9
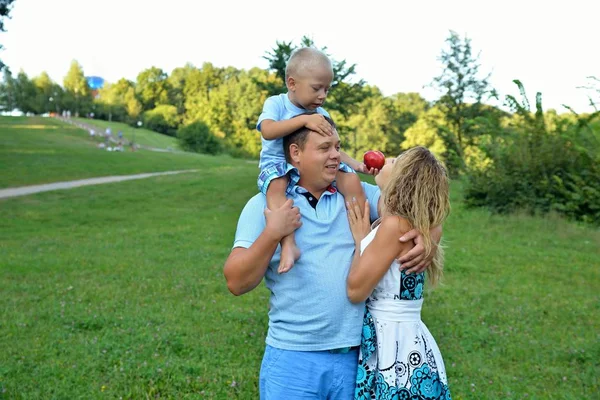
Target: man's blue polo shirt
309	308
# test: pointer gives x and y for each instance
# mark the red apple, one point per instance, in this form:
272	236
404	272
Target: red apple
374	159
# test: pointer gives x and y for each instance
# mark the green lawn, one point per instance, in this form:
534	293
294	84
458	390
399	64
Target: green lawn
141	136
43	150
117	291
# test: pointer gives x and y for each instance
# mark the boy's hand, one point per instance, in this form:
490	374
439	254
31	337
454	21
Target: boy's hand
362	168
318	123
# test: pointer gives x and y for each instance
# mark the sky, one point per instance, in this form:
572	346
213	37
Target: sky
551	46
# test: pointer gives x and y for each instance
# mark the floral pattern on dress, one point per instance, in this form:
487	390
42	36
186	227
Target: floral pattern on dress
426	384
368	343
422	383
411	286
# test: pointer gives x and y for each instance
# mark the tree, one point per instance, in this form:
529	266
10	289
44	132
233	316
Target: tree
461	84
177	82
25	93
132	105
44	91
111	99
427	131
201	82
163	118
278	58
152	88
410	103
5	8
37	96
371	127
58	98
8	92
407	109
231	108
207	97
200	88
593	95
246	101
77	89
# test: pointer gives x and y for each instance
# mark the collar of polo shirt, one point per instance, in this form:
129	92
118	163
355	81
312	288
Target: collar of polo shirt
312	200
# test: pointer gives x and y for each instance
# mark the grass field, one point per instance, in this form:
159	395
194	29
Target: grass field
141	136
43	150
116	291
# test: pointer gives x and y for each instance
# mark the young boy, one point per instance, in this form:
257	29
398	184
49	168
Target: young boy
308	77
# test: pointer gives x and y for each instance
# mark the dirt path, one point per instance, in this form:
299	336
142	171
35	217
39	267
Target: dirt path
25	190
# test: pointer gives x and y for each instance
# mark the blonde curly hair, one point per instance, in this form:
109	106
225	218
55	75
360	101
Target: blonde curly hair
418	191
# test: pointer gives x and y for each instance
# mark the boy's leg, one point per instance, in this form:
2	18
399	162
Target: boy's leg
275	199
349	185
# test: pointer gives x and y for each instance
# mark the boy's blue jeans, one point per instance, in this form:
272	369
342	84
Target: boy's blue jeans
291	375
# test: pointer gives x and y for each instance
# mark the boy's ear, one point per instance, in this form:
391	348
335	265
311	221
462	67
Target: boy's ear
295	152
291	84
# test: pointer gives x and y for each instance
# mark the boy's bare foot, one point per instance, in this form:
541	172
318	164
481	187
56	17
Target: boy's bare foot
289	255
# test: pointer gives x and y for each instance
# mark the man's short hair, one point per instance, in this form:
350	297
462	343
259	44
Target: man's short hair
305	58
299	137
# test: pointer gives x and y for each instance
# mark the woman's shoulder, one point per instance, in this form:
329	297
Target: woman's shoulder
393	224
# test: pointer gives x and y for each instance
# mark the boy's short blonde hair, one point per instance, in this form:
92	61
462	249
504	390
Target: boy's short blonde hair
306	58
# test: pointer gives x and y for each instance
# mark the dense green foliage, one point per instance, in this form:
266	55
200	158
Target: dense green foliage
544	162
463	92
197	137
163	119
78	94
507	155
5	9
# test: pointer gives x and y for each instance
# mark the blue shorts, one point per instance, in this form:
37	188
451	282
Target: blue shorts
294	375
279	169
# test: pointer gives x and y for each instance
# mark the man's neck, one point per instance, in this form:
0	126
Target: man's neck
312	190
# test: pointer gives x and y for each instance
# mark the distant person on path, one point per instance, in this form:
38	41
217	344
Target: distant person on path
308	79
314	330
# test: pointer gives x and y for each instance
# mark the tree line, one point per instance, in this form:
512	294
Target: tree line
513	157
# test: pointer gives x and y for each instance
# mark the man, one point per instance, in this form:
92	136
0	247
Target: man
314	330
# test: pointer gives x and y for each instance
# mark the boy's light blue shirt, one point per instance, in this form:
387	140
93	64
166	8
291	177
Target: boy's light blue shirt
309	307
278	108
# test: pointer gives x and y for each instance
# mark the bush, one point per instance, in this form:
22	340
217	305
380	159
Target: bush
546	162
198	138
163	119
541	171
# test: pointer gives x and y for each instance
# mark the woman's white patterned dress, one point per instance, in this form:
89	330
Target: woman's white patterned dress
399	359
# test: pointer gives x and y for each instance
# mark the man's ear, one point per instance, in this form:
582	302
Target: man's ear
295	152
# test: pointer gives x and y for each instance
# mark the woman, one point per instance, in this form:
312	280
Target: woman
399	359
